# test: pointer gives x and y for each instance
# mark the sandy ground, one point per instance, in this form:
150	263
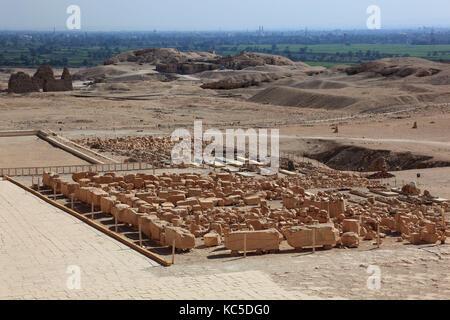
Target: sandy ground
435	180
31	151
387	132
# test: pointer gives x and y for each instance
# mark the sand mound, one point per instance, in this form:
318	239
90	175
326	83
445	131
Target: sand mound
160	55
111	87
320	84
413	89
252	59
440	80
339	68
244	80
221	74
271	68
287	96
398	67
98	72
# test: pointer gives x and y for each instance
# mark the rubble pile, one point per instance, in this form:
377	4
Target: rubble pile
150	149
250	213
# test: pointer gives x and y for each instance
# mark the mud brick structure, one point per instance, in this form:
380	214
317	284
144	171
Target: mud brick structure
21	82
50	84
42	79
43	74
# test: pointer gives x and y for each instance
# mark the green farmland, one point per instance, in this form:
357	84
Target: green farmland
332	54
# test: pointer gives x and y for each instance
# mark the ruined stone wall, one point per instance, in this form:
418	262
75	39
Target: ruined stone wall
22	83
43	79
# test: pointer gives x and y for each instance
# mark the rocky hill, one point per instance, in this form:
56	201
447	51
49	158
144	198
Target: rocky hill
174	61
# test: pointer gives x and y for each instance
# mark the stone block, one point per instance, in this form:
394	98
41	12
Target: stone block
262	240
252	200
157	229
351	225
184	240
212	239
298	237
350	239
106	204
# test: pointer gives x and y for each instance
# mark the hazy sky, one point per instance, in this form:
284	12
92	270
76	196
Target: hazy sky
220	15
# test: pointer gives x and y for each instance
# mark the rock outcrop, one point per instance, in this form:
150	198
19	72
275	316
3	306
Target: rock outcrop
252	59
169	60
399	67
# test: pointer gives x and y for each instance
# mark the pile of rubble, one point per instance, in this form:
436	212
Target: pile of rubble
150	149
247	213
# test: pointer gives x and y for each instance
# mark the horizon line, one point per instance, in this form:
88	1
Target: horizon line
247	30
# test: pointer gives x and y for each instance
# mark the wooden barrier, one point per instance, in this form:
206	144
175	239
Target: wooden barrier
94	224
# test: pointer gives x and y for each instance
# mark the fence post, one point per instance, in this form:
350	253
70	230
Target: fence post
314	240
245	245
378	235
173	251
140	233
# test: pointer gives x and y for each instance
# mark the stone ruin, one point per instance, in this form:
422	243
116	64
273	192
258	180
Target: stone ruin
21	82
184	209
63	84
43	74
42	79
151	149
